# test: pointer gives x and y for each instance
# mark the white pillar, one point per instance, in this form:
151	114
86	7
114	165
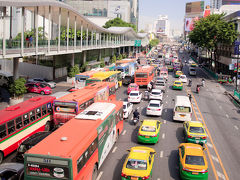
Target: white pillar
36	26
59	28
22	30
75	32
49	27
96	38
87	37
4	31
67	30
92	38
84	56
81	34
100	39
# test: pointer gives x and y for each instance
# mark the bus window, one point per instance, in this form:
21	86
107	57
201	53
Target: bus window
18	122
82	106
38	110
80	163
49	107
32	116
3	132
141	75
11	127
44	110
25	119
90	102
112	91
93	147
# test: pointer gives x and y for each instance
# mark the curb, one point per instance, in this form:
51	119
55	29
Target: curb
233	98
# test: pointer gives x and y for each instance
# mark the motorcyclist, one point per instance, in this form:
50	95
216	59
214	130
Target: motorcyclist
198	88
136	114
203	82
190	82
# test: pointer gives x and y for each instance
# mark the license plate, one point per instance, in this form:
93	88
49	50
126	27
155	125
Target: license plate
194	172
197	141
197	138
134	178
146	136
182	115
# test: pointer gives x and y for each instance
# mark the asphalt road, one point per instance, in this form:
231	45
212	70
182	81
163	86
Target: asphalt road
220	117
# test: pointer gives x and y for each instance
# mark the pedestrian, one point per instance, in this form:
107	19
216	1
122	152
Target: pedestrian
233	79
190	97
30	40
27	41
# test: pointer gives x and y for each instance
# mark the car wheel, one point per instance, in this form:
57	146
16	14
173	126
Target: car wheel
1	157
42	92
47	126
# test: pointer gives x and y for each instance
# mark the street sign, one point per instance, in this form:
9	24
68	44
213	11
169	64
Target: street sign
137	43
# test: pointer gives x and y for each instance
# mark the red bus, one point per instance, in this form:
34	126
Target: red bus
76	150
68	106
20	121
144	75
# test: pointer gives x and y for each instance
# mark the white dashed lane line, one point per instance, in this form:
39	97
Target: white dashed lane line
220	175
236	127
164	121
161	154
99	175
124	132
163	136
209	145
227	115
215	158
114	149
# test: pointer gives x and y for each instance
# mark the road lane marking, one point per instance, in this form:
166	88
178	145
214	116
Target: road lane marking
165	110
161	154
209	145
215	158
166	102
163	135
220	175
214	147
227	116
114	149
164	122
158	178
236	127
99	175
124	132
220	107
167	95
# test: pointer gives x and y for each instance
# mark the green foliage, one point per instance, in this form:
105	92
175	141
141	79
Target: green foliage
114	59
208	32
154	42
118	22
71	34
124	56
120	57
142	31
18	88
83	67
73	71
32	33
102	63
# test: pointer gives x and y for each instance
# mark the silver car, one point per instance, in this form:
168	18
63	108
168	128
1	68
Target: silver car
160	84
51	84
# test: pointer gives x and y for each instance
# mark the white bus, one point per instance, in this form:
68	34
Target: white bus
182	110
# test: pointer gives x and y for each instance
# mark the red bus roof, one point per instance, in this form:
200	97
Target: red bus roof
21	108
76	131
144	69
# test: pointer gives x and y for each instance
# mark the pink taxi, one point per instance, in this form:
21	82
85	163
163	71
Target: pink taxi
132	87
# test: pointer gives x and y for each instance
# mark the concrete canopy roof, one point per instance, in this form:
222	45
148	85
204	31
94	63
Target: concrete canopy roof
43	9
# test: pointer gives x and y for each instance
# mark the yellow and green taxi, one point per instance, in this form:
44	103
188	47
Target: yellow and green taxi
193	65
192	162
178	74
149	131
138	164
177	85
194	132
170	68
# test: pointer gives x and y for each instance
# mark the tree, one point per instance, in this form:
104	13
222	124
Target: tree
142	31
117	22
18	88
114	59
32	33
102	63
73	71
120	57
211	31
154	42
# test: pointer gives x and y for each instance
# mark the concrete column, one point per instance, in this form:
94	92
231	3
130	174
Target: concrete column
59	28
107	39
123	49
96	38
54	65
15	68
92	38
49	25
22	30
4	31
87	37
100	39
84	57
119	50
81	34
72	60
112	51
36	32
67	30
75	32
100	54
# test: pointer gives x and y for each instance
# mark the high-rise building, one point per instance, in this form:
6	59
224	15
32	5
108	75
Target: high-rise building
100	11
162	25
216	4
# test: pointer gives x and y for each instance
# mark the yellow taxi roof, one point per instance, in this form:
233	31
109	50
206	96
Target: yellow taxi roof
178	71
177	81
193	149
149	122
140	152
195	123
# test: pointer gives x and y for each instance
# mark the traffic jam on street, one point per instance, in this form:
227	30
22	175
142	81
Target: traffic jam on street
159	117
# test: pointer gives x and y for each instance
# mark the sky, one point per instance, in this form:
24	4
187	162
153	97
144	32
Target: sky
175	9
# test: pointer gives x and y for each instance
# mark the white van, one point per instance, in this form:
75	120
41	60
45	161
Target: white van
192	71
182	110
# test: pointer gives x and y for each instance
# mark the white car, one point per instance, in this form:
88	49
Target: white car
155	108
135	97
127	109
183	78
156	94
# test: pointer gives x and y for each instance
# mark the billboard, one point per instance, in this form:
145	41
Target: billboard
189	23
230	2
194	7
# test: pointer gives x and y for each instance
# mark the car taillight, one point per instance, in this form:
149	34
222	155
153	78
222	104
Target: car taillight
189	136
185	169
139	134
204	171
154	135
204	137
158	109
145	177
148	109
123	175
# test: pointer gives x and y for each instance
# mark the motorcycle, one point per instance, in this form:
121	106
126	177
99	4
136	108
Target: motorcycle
135	120
197	89
146	95
190	83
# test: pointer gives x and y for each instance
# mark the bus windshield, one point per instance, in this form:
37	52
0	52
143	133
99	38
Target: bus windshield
141	75
183	109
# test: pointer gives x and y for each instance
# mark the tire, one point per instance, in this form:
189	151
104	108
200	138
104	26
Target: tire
42	92
47	126
95	173
1	157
